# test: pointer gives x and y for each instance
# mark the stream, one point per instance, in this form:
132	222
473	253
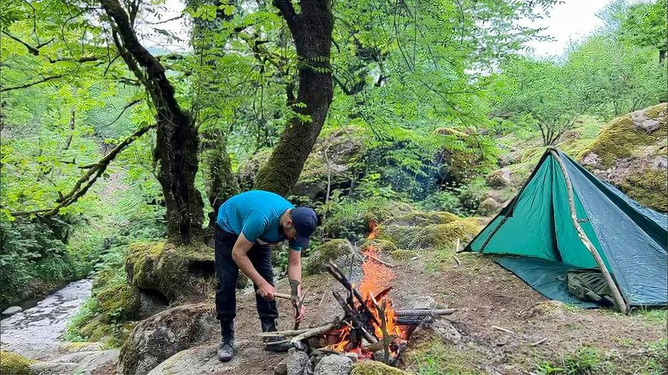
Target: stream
35	332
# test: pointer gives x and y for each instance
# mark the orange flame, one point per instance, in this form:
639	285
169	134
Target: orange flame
376	278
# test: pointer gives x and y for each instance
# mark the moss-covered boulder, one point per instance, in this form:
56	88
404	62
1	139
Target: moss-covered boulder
417	218
631	152
375	368
167	333
179	273
431	235
14	364
383	246
489	207
499	178
119	303
333	250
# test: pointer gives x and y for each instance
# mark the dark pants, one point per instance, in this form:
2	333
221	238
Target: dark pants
227	272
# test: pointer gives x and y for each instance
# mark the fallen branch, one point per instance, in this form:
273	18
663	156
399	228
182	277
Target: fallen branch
355	321
503	329
314	332
379	261
424	312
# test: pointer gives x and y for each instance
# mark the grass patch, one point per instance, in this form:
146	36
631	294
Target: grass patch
437	358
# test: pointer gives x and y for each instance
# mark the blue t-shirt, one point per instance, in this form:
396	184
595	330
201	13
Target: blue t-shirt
256	214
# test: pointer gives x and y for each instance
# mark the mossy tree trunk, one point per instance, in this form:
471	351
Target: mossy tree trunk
177	142
311	31
222	183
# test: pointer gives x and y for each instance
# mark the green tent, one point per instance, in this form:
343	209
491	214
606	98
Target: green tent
538	229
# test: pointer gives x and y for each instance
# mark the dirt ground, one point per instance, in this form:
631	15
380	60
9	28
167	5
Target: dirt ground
535	330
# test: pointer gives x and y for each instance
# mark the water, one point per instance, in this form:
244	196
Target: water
34	332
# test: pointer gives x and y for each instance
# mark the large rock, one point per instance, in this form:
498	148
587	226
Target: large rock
181	274
334	365
631	152
337	250
84	363
167	333
431	235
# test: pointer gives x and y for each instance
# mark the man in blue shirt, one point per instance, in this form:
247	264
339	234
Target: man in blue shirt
247	224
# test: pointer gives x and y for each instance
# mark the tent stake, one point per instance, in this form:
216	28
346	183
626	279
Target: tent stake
585	240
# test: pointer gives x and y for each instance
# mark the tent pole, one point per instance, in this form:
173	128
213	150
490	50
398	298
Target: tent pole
585	240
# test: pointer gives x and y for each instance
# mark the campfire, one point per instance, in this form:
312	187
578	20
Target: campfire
370	327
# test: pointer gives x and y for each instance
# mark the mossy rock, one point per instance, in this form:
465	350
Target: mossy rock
622	136
402	255
375	368
383	246
631	153
321	255
119	302
14	364
400	235
179	273
417	218
437	235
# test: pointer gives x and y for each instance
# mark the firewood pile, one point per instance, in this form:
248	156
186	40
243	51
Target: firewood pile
369	326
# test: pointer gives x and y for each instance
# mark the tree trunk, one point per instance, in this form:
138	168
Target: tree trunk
177	143
221	182
311	31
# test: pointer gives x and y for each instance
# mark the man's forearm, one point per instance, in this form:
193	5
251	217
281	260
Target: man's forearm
246	266
295	273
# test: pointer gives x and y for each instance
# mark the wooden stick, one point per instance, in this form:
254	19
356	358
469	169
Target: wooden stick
457	260
424	312
383	324
379	261
356	323
504	330
585	240
539	341
314	332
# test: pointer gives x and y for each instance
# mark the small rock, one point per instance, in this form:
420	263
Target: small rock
296	362
281	368
334	365
591	159
352	356
12	310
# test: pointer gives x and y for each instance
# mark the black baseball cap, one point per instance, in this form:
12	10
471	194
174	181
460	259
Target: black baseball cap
305	220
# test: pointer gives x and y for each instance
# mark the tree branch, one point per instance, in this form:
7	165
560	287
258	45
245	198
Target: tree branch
45	79
287	11
30	48
88	179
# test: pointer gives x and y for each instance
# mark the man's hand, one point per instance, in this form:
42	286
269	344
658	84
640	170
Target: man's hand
266	291
299	312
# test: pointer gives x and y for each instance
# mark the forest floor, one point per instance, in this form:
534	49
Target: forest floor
570	339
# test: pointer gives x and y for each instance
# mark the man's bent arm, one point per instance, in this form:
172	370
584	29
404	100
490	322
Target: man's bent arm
240	256
295	266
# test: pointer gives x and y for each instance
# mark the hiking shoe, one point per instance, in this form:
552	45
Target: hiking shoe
225	351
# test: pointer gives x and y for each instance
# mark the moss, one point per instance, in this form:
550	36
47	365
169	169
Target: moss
374	368
433	356
655	111
383	246
14	364
416	218
183	273
648	188
437	235
119	303
324	253
402	254
399	234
